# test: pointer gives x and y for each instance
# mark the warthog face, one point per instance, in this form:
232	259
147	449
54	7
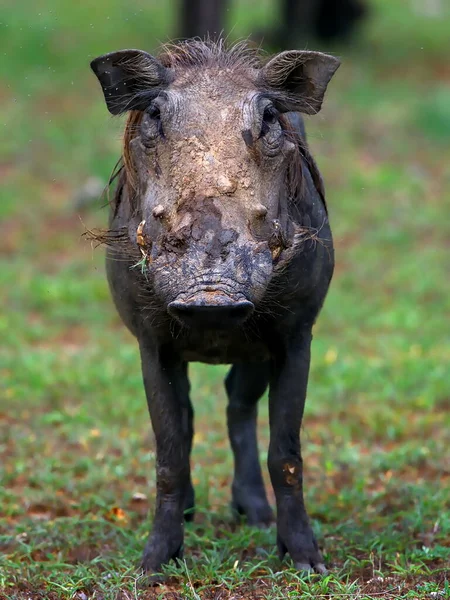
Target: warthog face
209	159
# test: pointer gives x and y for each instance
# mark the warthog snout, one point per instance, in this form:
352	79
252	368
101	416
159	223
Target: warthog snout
211	310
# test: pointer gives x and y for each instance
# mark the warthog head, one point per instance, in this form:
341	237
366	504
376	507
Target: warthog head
210	168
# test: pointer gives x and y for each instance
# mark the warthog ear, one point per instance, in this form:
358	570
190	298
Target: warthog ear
129	79
300	77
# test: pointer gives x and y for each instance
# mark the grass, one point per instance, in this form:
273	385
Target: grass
76	449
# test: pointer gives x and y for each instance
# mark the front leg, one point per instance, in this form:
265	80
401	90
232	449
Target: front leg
286	403
165	381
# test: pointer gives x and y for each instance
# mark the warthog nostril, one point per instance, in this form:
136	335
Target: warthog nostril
219	313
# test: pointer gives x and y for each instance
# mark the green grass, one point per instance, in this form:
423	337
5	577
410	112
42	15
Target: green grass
76	449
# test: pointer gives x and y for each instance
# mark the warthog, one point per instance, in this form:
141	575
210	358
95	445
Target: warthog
220	251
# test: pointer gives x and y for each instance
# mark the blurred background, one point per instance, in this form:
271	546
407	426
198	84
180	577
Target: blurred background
75	442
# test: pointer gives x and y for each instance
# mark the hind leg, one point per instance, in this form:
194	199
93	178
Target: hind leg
188	431
245	384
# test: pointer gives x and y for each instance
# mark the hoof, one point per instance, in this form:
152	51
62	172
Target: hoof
159	551
147	581
307	569
304	552
258	512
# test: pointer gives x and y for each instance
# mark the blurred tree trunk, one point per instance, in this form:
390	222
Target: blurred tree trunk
298	17
305	20
302	20
202	17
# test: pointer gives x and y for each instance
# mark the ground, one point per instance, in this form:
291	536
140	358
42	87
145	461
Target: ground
76	448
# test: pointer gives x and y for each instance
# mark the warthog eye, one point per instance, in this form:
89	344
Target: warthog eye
151	126
154	112
270	117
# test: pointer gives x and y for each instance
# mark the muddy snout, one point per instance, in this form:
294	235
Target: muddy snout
211	310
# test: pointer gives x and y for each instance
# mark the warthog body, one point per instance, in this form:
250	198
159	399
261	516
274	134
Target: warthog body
219	250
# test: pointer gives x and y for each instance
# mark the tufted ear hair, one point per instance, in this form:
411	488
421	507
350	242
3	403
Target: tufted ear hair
299	79
130	79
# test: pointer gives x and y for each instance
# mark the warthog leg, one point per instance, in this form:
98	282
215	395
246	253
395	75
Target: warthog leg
245	384
167	390
286	403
